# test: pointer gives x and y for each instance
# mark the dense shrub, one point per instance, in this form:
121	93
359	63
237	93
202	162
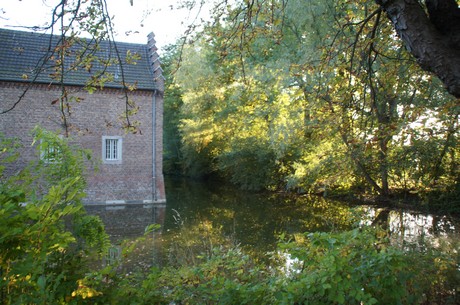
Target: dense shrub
45	235
354	267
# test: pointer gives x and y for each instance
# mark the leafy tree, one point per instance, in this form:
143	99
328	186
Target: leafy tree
373	87
280	98
429	29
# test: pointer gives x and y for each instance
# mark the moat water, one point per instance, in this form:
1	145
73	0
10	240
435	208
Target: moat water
199	216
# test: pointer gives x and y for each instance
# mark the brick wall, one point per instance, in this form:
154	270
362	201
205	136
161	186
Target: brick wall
96	115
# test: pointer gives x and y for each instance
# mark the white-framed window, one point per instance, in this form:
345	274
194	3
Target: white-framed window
112	149
50	152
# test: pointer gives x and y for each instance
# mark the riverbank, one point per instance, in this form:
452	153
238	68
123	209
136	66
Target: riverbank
433	201
221	245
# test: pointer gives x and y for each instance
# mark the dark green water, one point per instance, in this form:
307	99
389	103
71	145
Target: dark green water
199	216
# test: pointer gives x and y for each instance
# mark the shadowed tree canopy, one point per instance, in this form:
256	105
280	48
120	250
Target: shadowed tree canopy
431	34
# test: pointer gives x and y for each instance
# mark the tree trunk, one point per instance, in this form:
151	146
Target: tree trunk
383	143
436	51
361	166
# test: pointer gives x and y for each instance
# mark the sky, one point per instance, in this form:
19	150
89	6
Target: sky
132	23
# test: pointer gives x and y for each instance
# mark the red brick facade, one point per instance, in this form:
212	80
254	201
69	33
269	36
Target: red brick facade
138	177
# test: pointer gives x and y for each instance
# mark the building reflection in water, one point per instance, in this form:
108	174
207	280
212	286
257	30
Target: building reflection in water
126	224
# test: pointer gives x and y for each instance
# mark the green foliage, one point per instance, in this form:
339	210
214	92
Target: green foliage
304	95
228	277
359	266
172	156
349	268
45	234
66	163
250	165
47	242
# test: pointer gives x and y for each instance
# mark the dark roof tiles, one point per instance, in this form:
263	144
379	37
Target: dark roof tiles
31	56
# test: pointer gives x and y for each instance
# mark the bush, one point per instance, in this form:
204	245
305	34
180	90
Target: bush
45	238
349	268
354	267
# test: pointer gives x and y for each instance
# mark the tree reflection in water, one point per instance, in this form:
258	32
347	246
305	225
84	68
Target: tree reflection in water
201	216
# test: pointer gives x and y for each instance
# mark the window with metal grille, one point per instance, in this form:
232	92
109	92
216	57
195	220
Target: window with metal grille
50	152
111	149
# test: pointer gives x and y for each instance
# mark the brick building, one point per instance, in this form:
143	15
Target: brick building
31	87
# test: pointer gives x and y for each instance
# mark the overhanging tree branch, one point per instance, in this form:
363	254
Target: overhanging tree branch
433	49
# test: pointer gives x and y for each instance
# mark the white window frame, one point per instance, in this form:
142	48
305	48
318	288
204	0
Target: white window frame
50	153
112	149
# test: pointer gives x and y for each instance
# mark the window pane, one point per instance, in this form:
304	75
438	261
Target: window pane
107	149
111	149
114	149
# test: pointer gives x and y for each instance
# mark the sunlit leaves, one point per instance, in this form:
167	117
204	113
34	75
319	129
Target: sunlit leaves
132	58
323	90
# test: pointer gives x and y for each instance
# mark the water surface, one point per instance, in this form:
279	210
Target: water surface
199	216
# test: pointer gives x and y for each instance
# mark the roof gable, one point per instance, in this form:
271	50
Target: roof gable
31	56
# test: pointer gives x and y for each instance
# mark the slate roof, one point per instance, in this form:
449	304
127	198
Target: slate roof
30	56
